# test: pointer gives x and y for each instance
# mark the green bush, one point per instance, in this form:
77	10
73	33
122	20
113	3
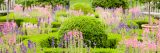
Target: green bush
113	40
1	1
42	2
110	3
92	28
84	7
56	24
54	29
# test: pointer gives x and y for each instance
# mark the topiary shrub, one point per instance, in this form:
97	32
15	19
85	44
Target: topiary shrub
92	28
84	7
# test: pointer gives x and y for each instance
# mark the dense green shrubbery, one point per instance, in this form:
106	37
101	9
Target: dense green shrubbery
42	2
84	7
18	20
113	40
92	28
1	1
110	3
56	24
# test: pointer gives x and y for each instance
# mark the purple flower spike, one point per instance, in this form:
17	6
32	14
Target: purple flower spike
53	42
29	44
6	50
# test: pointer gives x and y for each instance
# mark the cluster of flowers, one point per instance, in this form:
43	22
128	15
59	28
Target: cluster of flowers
18	48
149	42
8	28
73	39
30	28
110	16
33	11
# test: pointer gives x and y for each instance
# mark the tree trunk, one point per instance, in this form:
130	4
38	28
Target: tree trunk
150	21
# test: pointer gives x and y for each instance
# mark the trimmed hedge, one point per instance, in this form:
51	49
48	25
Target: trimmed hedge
42	40
94	31
92	50
18	20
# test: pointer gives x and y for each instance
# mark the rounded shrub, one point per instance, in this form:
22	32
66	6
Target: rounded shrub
93	29
84	7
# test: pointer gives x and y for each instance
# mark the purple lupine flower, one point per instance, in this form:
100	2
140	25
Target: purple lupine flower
60	45
6	50
53	42
123	26
23	48
29	44
14	50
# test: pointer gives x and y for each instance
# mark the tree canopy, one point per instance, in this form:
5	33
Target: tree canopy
42	2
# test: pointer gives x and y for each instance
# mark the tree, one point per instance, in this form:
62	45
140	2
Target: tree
149	2
43	2
1	1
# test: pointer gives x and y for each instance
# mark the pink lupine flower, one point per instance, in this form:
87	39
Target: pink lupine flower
158	34
141	45
70	33
134	43
131	43
128	43
26	14
18	8
152	46
12	40
1	41
135	10
65	37
145	31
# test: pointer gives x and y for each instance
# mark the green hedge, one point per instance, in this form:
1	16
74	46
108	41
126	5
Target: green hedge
110	3
84	50
56	24
42	40
92	28
18	20
113	40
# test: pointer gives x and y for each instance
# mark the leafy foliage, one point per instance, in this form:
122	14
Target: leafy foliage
1	1
92	28
110	3
43	2
113	40
84	7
